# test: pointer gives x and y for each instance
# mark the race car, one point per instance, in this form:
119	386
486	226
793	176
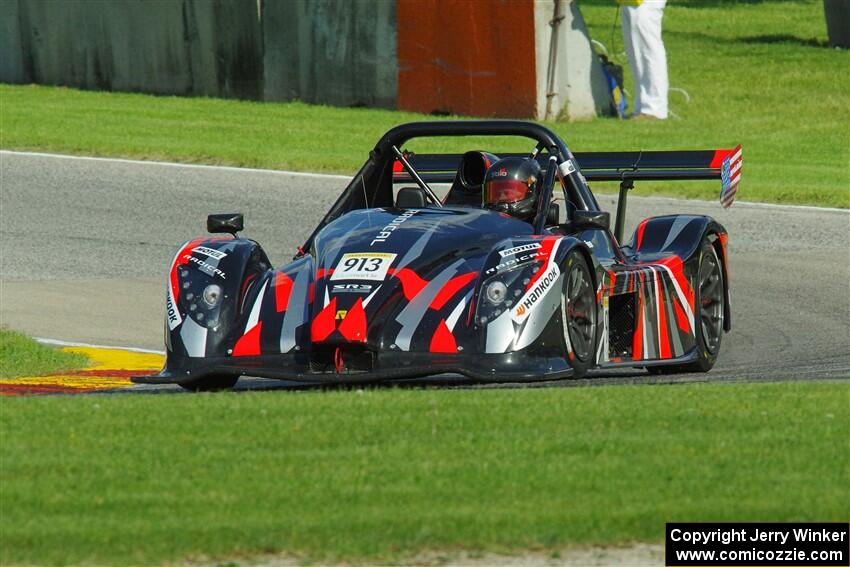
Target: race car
400	282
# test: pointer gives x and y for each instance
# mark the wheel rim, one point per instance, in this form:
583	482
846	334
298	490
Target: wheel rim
579	313
711	301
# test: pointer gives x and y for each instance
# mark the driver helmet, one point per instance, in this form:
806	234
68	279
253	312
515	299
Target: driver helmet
511	185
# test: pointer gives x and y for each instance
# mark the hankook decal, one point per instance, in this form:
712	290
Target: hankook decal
172	314
541	288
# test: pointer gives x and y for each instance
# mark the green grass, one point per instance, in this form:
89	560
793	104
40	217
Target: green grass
757	73
388	473
22	356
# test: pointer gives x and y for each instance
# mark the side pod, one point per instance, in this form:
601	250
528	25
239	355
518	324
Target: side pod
208	284
657	239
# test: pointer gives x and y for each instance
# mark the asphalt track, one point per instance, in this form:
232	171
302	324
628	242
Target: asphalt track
85	244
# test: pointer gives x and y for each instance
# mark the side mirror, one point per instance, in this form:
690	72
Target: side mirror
592	219
226	222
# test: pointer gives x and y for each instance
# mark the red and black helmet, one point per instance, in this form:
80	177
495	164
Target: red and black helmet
511	185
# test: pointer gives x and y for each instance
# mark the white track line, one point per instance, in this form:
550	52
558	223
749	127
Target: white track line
348	177
181	165
738	203
57	342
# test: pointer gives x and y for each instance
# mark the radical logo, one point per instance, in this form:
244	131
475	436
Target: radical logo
394	224
207	268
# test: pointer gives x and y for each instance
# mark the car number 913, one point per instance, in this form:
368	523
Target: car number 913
363	266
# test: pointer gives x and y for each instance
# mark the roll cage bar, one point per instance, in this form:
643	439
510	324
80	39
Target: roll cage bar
372	185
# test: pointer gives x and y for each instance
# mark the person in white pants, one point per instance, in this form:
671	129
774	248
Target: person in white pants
647	57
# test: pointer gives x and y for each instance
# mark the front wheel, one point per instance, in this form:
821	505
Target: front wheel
211	383
708	316
578	313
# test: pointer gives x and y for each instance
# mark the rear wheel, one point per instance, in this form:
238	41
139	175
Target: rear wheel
210	383
578	313
708	316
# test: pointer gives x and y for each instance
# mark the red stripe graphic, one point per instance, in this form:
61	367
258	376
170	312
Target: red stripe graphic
179	260
411	283
450	289
637	338
249	343
282	290
681	318
353	327
443	339
719	156
324	323
677	266
543	256
724	239
663	333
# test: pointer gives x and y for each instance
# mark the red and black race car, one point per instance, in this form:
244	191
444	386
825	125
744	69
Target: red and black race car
397	282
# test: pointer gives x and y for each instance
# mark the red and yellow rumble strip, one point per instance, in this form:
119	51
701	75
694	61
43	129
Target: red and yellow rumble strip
108	369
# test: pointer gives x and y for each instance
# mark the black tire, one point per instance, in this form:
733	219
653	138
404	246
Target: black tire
210	383
578	314
708	314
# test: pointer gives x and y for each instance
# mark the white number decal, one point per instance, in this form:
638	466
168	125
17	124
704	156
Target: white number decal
357	266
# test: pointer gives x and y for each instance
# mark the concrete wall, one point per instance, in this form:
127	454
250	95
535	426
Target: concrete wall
567	64
339	52
472	57
837	22
11	53
226	47
496	58
198	47
461	57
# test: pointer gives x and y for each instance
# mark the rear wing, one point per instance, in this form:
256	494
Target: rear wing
625	167
667	166
612	166
628	167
